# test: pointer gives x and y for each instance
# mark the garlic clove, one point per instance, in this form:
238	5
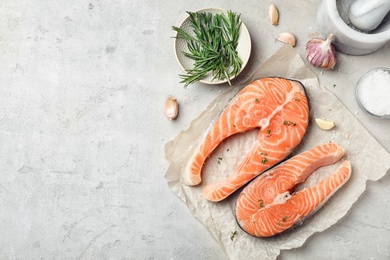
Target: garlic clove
324	124
171	108
321	53
273	14
286	37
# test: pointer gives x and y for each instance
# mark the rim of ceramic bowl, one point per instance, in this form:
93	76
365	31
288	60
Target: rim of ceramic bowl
243	30
353	34
357	93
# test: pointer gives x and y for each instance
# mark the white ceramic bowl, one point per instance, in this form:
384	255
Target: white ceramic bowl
243	47
348	40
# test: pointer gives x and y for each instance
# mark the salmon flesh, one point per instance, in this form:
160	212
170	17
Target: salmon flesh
266	207
278	107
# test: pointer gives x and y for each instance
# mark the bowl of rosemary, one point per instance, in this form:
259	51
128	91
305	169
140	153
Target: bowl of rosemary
212	46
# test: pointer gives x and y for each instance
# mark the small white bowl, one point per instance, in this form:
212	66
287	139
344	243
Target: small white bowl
369	108
243	47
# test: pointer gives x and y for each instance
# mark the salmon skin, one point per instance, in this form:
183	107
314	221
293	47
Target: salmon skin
278	107
266	207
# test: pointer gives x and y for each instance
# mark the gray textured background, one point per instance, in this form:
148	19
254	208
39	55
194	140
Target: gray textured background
82	130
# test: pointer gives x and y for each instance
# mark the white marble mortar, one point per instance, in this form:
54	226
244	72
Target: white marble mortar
331	18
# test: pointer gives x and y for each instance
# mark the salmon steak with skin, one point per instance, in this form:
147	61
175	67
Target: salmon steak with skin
266	207
278	107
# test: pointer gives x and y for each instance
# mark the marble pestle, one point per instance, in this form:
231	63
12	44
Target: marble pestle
367	15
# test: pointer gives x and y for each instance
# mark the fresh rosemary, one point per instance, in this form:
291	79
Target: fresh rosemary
212	46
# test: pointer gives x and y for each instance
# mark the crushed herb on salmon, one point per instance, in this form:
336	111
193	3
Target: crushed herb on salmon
289	123
264	160
261	203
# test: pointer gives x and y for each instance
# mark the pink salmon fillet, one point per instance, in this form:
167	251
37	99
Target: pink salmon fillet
278	107
265	206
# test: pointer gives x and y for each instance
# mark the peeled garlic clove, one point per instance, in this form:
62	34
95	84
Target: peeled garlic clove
273	14
286	37
324	125
321	53
171	108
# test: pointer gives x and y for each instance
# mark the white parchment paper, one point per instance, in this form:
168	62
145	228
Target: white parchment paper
369	162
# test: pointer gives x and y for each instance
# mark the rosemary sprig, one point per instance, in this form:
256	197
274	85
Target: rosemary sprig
212	46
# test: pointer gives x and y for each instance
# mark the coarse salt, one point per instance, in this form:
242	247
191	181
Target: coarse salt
374	92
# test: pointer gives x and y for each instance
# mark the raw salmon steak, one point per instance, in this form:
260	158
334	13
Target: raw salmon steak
266	207
278	107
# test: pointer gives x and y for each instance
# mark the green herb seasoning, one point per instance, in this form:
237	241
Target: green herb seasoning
268	132
213	46
261	203
219	160
284	218
264	160
256	100
232	234
289	123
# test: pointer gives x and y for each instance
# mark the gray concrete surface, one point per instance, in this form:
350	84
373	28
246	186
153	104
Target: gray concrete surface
82	131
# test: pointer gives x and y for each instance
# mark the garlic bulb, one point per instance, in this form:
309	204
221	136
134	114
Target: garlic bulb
286	37
171	108
321	53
